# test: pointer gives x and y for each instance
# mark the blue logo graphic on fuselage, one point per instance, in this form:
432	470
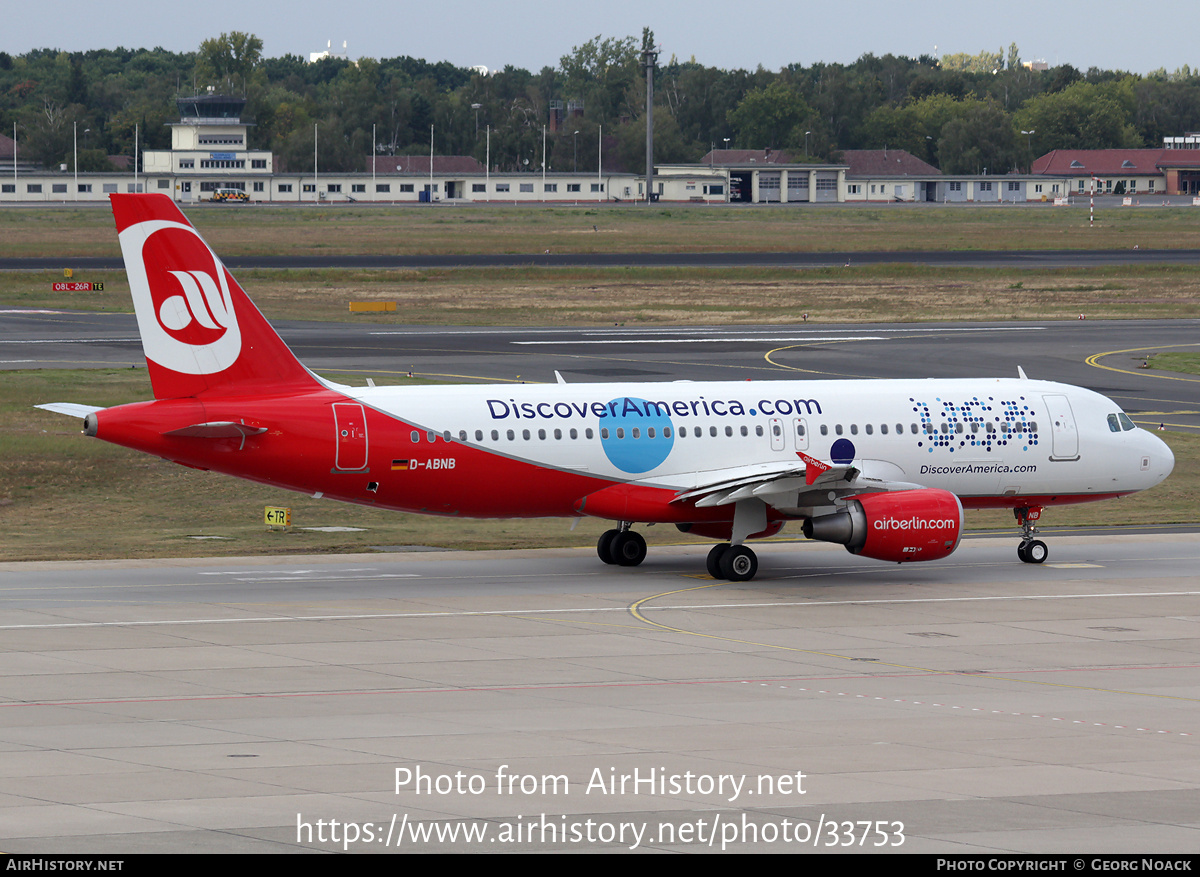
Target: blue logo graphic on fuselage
842	452
639	436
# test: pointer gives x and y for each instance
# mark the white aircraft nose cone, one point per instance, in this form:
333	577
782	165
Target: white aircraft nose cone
1168	459
1162	460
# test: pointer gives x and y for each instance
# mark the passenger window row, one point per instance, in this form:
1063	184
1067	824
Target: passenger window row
572	434
1005	427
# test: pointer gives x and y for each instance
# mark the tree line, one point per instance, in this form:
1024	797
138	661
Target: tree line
961	113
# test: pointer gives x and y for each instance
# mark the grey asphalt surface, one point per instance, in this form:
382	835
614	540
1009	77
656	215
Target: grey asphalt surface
1050	350
974	705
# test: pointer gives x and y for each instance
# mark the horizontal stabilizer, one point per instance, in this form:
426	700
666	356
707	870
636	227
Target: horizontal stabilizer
71	409
218	430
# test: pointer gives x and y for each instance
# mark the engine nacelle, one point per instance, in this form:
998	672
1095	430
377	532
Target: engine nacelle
904	526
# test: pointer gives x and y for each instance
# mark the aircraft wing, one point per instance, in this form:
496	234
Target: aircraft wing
783	483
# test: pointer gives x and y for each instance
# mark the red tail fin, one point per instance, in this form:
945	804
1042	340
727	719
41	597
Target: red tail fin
200	331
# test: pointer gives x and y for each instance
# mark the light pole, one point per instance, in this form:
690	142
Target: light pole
649	60
806	133
476	108
575	162
1029	145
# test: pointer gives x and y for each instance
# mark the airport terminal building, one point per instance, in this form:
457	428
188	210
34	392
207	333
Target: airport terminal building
209	153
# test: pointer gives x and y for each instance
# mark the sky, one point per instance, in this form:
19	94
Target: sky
535	33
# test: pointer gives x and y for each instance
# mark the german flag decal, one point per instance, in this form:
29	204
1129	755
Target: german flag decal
399	465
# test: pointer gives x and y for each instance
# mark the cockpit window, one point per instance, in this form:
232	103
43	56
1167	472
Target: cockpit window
1126	423
1114	424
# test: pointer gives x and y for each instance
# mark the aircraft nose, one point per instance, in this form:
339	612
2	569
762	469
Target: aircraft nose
1161	459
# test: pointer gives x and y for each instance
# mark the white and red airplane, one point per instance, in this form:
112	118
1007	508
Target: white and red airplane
884	467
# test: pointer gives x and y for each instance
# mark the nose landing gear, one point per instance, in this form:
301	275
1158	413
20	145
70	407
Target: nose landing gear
1030	550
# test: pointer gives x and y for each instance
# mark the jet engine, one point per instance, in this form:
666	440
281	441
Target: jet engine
903	526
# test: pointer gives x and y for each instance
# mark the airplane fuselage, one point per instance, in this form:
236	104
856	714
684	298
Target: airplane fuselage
538	450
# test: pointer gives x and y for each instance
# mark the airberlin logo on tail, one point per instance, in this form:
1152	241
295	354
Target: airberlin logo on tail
181	294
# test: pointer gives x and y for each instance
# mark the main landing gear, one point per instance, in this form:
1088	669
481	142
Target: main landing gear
1030	550
621	547
731	560
624	547
736	563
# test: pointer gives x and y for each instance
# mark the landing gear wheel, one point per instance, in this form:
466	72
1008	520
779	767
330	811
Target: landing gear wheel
739	564
1036	551
628	548
1021	551
604	545
714	559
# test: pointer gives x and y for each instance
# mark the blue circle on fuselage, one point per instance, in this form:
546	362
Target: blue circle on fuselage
842	452
643	453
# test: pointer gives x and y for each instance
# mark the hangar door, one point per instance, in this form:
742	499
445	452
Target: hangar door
826	186
768	186
797	186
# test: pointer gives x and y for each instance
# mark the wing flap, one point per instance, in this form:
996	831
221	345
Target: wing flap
783	482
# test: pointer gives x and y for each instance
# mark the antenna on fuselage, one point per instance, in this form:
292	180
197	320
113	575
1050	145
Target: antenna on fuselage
1021	374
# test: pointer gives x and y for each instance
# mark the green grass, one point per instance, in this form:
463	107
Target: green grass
1187	363
64	496
527	296
617	228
